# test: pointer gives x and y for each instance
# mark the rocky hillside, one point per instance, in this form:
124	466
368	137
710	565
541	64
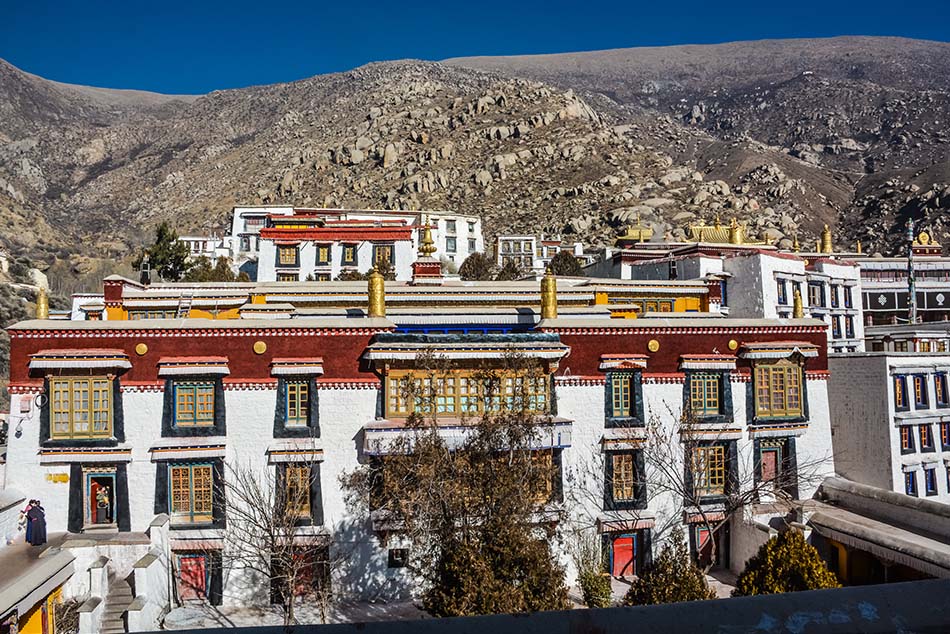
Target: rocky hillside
784	135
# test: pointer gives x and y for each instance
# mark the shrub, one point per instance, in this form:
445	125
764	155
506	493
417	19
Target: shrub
785	564
672	578
595	587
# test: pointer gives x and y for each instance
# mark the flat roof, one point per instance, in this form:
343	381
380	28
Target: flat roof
354	321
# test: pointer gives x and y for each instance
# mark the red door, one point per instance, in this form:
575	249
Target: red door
624	551
192	577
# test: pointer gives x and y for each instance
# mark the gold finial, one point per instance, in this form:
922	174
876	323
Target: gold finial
826	246
426	244
795	246
548	295
718	223
377	294
858	247
798	309
735	232
42	304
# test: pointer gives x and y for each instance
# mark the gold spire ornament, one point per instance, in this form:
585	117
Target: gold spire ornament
377	294
795	246
826	246
42	304
548	295
858	248
426	244
735	231
798	308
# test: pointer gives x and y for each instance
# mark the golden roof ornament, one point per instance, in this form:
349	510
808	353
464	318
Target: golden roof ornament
42	304
826	246
795	246
798	308
426	244
548	295
376	286
636	233
858	248
735	231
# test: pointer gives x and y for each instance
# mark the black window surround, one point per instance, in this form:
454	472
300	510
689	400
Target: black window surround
312	429
170	430
218	502
755	419
118	422
732	470
725	414
316	492
634	417
788	474
639	501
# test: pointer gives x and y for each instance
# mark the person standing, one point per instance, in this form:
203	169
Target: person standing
36	519
24	520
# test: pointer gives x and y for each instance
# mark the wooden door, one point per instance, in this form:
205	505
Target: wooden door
192	577
623	556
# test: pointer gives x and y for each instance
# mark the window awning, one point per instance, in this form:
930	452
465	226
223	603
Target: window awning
623	362
778	350
379	437
187	448
185	366
97	455
707	362
93	358
301	366
386	351
616	522
295	450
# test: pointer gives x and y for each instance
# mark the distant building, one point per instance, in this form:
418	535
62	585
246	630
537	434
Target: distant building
211	247
890	418
533	254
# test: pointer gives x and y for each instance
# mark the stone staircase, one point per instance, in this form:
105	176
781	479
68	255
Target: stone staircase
117	602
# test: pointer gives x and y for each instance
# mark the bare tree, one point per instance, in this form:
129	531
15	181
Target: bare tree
266	508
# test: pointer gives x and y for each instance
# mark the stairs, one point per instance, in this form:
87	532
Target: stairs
117	602
184	305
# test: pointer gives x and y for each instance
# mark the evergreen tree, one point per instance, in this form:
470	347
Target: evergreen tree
167	256
201	270
787	563
510	271
564	263
477	266
672	578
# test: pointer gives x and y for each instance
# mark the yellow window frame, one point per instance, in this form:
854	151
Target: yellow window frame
623	480
778	389
460	393
709	469
298	403
191	493
704	396
297	483
80	407
620	392
194	404
287	255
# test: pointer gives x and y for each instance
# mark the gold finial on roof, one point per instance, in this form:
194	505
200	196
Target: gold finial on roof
426	244
718	223
825	244
798	308
858	247
42	304
735	232
795	246
548	295
376	286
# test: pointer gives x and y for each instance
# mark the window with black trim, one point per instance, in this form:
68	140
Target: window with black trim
624	481
191	493
286	276
298	403
940	389
930	481
849	327
297	490
834	296
709	470
945	436
349	254
288	255
901	400
816	295
778	389
836	327
383	253
907	439
705	392
848	297
920	392
782	292
910	483
926	438
80	407
624	399
194	404
323	254
776	464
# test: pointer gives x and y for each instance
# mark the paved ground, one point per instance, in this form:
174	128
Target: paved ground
202	616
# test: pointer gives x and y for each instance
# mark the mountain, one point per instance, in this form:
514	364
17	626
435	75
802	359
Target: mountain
786	135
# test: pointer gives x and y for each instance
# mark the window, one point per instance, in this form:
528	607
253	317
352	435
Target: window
450	245
782	293
450	226
382	253
849	327
926	438
773	457
286	256
398	557
907	439
778	389
297	489
284	276
836	327
253	224
930	481
941	345
816	295
298	403
471	245
910	483
900	346
471	227
920	392
349	254
848	299
924	346
190	493
322	277
704	393
620	390
194	404
623	477
245	243
945	436
834	296
900	393
323	254
458	394
709	470
80	407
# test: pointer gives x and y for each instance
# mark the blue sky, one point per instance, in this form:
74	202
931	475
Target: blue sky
203	45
